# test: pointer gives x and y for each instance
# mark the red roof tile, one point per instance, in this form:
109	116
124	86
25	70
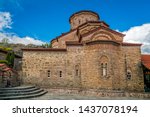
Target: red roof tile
44	49
73	43
87	11
131	44
7	69
2	65
146	61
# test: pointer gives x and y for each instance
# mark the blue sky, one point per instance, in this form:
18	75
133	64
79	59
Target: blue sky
46	19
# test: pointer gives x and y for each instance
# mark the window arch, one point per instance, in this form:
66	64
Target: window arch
102	35
104	66
77	70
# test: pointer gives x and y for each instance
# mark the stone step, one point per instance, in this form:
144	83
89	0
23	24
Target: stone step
18	87
23	96
20	92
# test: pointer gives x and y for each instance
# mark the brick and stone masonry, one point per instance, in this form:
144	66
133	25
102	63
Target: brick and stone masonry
89	56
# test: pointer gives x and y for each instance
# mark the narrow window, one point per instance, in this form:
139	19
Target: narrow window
48	73
79	21
77	72
128	75
60	74
104	69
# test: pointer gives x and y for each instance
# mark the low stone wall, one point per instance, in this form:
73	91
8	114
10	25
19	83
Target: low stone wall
138	95
1	82
98	93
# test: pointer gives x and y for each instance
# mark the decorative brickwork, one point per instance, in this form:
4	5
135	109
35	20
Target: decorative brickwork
91	57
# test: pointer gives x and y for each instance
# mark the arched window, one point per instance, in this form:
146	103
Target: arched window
104	69
77	70
129	75
104	66
79	21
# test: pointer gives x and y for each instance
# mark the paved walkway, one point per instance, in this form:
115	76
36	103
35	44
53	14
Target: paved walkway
50	96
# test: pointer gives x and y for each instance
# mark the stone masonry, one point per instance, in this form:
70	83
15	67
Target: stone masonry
90	56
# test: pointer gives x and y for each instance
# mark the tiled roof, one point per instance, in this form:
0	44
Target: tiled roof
4	67
146	61
82	12
7	69
73	43
101	27
131	44
44	49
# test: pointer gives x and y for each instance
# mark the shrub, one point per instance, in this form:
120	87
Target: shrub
4	61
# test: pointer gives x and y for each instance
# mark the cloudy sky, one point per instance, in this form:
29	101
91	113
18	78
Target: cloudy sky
39	21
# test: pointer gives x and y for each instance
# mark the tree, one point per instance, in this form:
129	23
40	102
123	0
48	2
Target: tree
10	58
4	41
47	45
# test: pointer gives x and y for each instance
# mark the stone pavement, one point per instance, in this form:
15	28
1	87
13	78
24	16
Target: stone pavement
51	96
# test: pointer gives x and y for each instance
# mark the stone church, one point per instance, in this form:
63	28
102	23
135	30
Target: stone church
90	56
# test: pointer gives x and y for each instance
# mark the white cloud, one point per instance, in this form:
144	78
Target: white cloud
139	34
5	20
13	38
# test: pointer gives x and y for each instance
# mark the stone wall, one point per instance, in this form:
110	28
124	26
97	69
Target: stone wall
37	64
80	67
99	93
60	42
2	56
133	63
91	64
1	79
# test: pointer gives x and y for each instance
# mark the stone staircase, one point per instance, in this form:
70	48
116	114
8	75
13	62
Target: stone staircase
20	92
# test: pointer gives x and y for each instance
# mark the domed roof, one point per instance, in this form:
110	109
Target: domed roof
82	17
82	12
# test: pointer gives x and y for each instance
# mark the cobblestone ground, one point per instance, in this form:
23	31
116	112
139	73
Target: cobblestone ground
50	96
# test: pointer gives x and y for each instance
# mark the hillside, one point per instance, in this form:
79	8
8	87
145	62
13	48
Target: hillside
17	47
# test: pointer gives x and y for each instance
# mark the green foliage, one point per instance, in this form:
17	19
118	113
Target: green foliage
4	61
10	58
4	42
47	45
8	49
5	48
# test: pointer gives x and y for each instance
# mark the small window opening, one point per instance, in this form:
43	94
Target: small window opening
48	73
77	72
60	74
128	75
104	69
79	21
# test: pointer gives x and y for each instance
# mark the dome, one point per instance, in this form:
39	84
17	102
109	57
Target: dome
82	17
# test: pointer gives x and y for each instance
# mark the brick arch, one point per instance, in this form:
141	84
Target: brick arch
85	31
104	58
102	35
92	28
104	66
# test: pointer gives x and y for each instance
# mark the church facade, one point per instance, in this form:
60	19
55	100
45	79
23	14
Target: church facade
90	56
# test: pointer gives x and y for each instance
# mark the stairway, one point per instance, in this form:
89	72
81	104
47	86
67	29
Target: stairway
21	92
